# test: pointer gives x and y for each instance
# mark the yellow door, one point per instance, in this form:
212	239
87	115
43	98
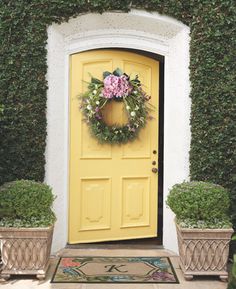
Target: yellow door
113	191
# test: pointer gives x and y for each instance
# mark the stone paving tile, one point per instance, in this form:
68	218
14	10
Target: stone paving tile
119	286
115	252
197	283
194	284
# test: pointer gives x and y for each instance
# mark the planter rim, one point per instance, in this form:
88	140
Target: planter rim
223	230
27	229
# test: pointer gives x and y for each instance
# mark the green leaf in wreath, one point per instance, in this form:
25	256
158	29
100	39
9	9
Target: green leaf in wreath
118	72
106	73
95	80
136	80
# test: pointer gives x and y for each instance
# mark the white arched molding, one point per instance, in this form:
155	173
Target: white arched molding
139	30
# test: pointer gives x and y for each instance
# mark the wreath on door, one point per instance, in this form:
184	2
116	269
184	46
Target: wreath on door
115	86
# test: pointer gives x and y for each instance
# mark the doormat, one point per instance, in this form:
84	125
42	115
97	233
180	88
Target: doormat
114	270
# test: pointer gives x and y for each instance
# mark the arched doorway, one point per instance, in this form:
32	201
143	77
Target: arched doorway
135	30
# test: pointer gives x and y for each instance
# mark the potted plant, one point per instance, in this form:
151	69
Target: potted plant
203	228
26	228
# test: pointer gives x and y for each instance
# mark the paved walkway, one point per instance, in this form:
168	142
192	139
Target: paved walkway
197	283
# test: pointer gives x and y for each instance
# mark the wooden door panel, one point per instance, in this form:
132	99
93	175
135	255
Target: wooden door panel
143	71
89	146
113	193
95	197
135	202
140	150
90	149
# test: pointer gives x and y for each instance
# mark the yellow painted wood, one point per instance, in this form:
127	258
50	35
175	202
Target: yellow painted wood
112	189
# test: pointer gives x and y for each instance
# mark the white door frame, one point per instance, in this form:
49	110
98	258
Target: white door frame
136	30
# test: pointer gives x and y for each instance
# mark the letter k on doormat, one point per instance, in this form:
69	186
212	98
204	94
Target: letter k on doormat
114	270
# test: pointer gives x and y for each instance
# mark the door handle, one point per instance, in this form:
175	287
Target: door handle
154	170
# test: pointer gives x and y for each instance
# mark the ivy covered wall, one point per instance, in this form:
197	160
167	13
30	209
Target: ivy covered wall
23	85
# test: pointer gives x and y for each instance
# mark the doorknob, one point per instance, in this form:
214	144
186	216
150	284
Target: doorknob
154	170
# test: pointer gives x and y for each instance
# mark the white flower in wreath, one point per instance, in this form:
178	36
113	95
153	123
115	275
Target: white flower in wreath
133	113
94	91
89	107
128	107
97	102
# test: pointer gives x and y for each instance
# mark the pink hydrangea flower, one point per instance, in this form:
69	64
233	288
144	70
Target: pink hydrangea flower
116	86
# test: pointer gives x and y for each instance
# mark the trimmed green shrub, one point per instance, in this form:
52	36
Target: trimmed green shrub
232	281
200	205
23	84
26	203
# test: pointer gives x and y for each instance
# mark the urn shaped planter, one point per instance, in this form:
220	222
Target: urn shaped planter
204	251
25	251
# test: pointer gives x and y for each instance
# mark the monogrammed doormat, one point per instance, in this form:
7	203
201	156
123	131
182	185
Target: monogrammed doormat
114	270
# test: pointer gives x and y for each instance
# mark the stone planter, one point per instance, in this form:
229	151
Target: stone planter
204	251
25	251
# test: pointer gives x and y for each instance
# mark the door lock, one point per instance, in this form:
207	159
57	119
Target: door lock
154	170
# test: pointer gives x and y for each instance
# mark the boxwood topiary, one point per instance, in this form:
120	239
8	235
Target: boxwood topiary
25	203
200	205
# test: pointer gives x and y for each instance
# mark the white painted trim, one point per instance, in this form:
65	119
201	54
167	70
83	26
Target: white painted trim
139	30
99	39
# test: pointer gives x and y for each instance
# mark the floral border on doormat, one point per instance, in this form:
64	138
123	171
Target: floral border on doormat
114	270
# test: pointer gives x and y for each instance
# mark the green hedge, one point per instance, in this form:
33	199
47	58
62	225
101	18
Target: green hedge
232	281
23	84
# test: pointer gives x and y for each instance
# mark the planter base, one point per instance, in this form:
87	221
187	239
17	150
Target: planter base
224	278
40	274
5	277
188	276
